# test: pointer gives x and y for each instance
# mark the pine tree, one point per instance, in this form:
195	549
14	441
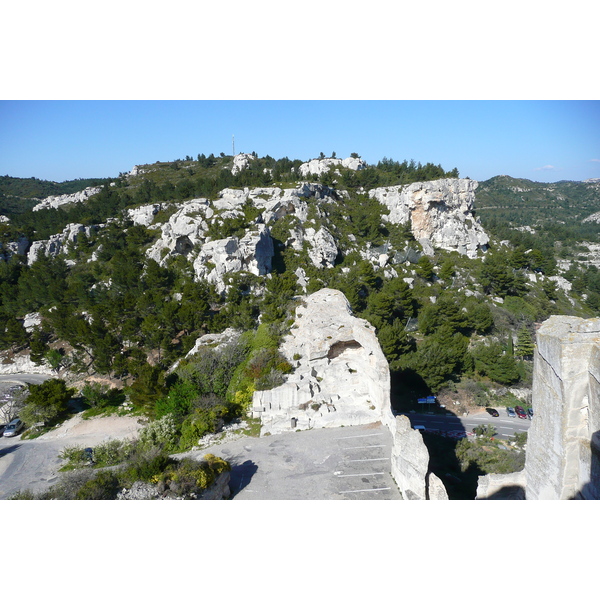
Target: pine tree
525	346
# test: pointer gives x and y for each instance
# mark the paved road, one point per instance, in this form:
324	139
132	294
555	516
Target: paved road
345	463
505	426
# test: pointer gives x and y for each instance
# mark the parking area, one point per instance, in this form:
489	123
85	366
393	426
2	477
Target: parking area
345	463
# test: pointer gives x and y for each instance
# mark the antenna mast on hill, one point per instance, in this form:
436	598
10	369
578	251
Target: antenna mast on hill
233	144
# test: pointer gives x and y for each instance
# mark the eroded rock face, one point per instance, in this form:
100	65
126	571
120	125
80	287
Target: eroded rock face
20	247
183	232
252	253
322	248
57	243
341	376
440	214
143	215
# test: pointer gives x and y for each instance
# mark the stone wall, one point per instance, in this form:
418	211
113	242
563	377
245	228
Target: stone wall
562	448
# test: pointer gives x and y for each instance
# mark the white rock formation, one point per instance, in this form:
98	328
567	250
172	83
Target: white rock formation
318	166
252	253
216	341
322	251
56	201
22	364
4	219
183	232
440	214
241	162
58	243
341	376
137	170
31	321
20	247
143	215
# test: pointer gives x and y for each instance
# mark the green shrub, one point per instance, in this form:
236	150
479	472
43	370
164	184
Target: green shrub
145	466
104	486
162	433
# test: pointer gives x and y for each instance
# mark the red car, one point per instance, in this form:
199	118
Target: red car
520	412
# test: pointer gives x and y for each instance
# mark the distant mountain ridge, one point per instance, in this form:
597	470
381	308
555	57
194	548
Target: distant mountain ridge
18	194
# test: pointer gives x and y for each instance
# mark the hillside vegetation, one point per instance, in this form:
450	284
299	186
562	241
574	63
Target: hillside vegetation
448	324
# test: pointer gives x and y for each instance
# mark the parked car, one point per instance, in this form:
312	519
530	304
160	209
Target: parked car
13	428
510	412
520	412
493	412
530	413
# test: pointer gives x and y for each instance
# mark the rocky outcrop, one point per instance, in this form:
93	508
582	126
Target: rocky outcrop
252	253
58	243
218	490
143	215
184	232
21	363
215	341
241	162
440	214
341	375
322	249
19	247
56	201
319	166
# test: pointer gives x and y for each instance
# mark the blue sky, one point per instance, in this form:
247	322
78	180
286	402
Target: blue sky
539	140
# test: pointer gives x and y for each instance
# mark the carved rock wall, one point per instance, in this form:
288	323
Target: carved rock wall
341	377
562	449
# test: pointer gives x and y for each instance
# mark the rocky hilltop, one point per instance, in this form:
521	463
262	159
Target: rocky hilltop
440	215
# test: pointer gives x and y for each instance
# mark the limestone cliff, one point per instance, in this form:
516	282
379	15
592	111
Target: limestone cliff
440	214
341	375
